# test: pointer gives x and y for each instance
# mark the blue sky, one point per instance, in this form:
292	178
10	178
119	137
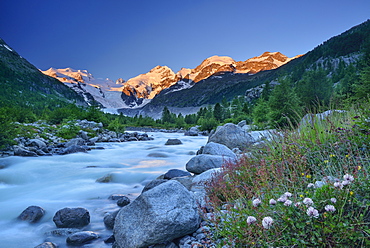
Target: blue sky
126	38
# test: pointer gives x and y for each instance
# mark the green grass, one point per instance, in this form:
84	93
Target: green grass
327	152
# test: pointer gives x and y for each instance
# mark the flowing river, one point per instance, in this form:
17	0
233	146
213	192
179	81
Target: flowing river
56	182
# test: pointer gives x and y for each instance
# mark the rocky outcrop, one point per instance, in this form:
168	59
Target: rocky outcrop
52	144
159	215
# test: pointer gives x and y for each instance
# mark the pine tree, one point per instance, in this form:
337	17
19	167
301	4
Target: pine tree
217	112
284	104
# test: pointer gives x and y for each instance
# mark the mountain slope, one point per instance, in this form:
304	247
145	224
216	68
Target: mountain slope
346	48
104	91
24	85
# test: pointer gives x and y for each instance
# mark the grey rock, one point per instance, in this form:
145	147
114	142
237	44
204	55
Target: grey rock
72	149
20	151
109	219
187	182
32	214
159	215
171	142
75	142
123	201
37	143
110	239
218	149
204	162
83	135
80	238
231	136
47	245
193	131
105	179
153	184
176	173
72	218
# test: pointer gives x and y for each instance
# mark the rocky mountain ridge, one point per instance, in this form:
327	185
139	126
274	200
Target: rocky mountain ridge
140	90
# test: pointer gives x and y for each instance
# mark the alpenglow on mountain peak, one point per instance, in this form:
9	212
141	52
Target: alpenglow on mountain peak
138	91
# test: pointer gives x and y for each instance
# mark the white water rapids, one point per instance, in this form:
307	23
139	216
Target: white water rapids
59	181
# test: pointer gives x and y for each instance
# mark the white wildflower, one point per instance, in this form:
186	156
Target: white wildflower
288	194
333	200
288	203
346	182
251	220
256	202
348	177
338	185
297	204
311	185
267	222
307	201
272	202
312	212
330	208
282	198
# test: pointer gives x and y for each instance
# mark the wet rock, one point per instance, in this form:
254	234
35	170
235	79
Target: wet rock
47	245
123	201
80	238
62	232
171	142
109	219
159	215
110	240
32	214
176	173
105	179
72	218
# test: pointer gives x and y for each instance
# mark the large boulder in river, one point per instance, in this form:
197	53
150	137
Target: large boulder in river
204	162
72	218
32	214
232	136
218	149
161	214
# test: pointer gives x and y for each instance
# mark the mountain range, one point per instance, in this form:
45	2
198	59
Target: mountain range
215	79
137	92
